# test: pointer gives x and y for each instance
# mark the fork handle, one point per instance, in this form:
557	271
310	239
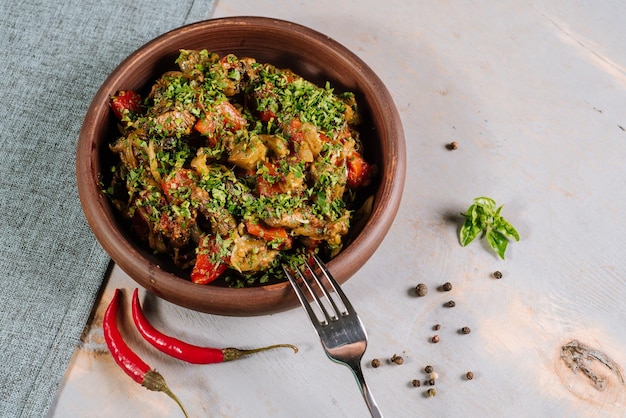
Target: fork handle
369	399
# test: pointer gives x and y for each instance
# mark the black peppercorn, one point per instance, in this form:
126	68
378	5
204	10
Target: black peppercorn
416	383
497	274
451	304
447	286
469	375
375	363
431	382
436	327
466	330
396	359
428	369
421	289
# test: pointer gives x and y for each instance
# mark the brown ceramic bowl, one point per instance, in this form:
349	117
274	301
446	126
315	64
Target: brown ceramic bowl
307	52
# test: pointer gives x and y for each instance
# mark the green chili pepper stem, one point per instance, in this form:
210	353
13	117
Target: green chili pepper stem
235	353
154	381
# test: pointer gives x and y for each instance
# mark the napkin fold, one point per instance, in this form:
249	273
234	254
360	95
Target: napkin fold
55	55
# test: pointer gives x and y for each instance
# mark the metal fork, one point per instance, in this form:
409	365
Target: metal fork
340	329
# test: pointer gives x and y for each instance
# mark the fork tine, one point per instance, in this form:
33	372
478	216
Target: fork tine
325	293
336	288
327	316
301	296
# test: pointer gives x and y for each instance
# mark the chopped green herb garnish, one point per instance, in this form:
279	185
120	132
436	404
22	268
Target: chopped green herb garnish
239	161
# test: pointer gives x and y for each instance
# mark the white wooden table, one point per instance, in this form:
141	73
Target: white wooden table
533	92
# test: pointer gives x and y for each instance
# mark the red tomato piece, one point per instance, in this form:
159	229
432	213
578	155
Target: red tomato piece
267	115
269	233
208	265
222	117
266	187
125	102
359	171
233	120
205	126
295	130
178	184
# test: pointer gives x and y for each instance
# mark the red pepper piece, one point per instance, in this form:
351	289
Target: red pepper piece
205	270
233	120
128	361
188	352
269	233
266	115
208	266
125	103
223	115
294	130
205	126
266	187
178	184
359	171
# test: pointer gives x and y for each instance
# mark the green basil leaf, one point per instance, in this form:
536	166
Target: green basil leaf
483	215
505	228
479	216
497	242
468	232
485	203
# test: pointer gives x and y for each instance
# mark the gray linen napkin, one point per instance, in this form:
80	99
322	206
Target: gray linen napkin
55	55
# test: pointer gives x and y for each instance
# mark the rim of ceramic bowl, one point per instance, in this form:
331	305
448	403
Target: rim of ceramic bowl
213	299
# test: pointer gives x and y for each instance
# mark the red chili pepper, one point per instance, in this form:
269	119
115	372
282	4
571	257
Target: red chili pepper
188	352
130	362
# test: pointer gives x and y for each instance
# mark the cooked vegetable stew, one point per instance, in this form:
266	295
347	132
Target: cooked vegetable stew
232	167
